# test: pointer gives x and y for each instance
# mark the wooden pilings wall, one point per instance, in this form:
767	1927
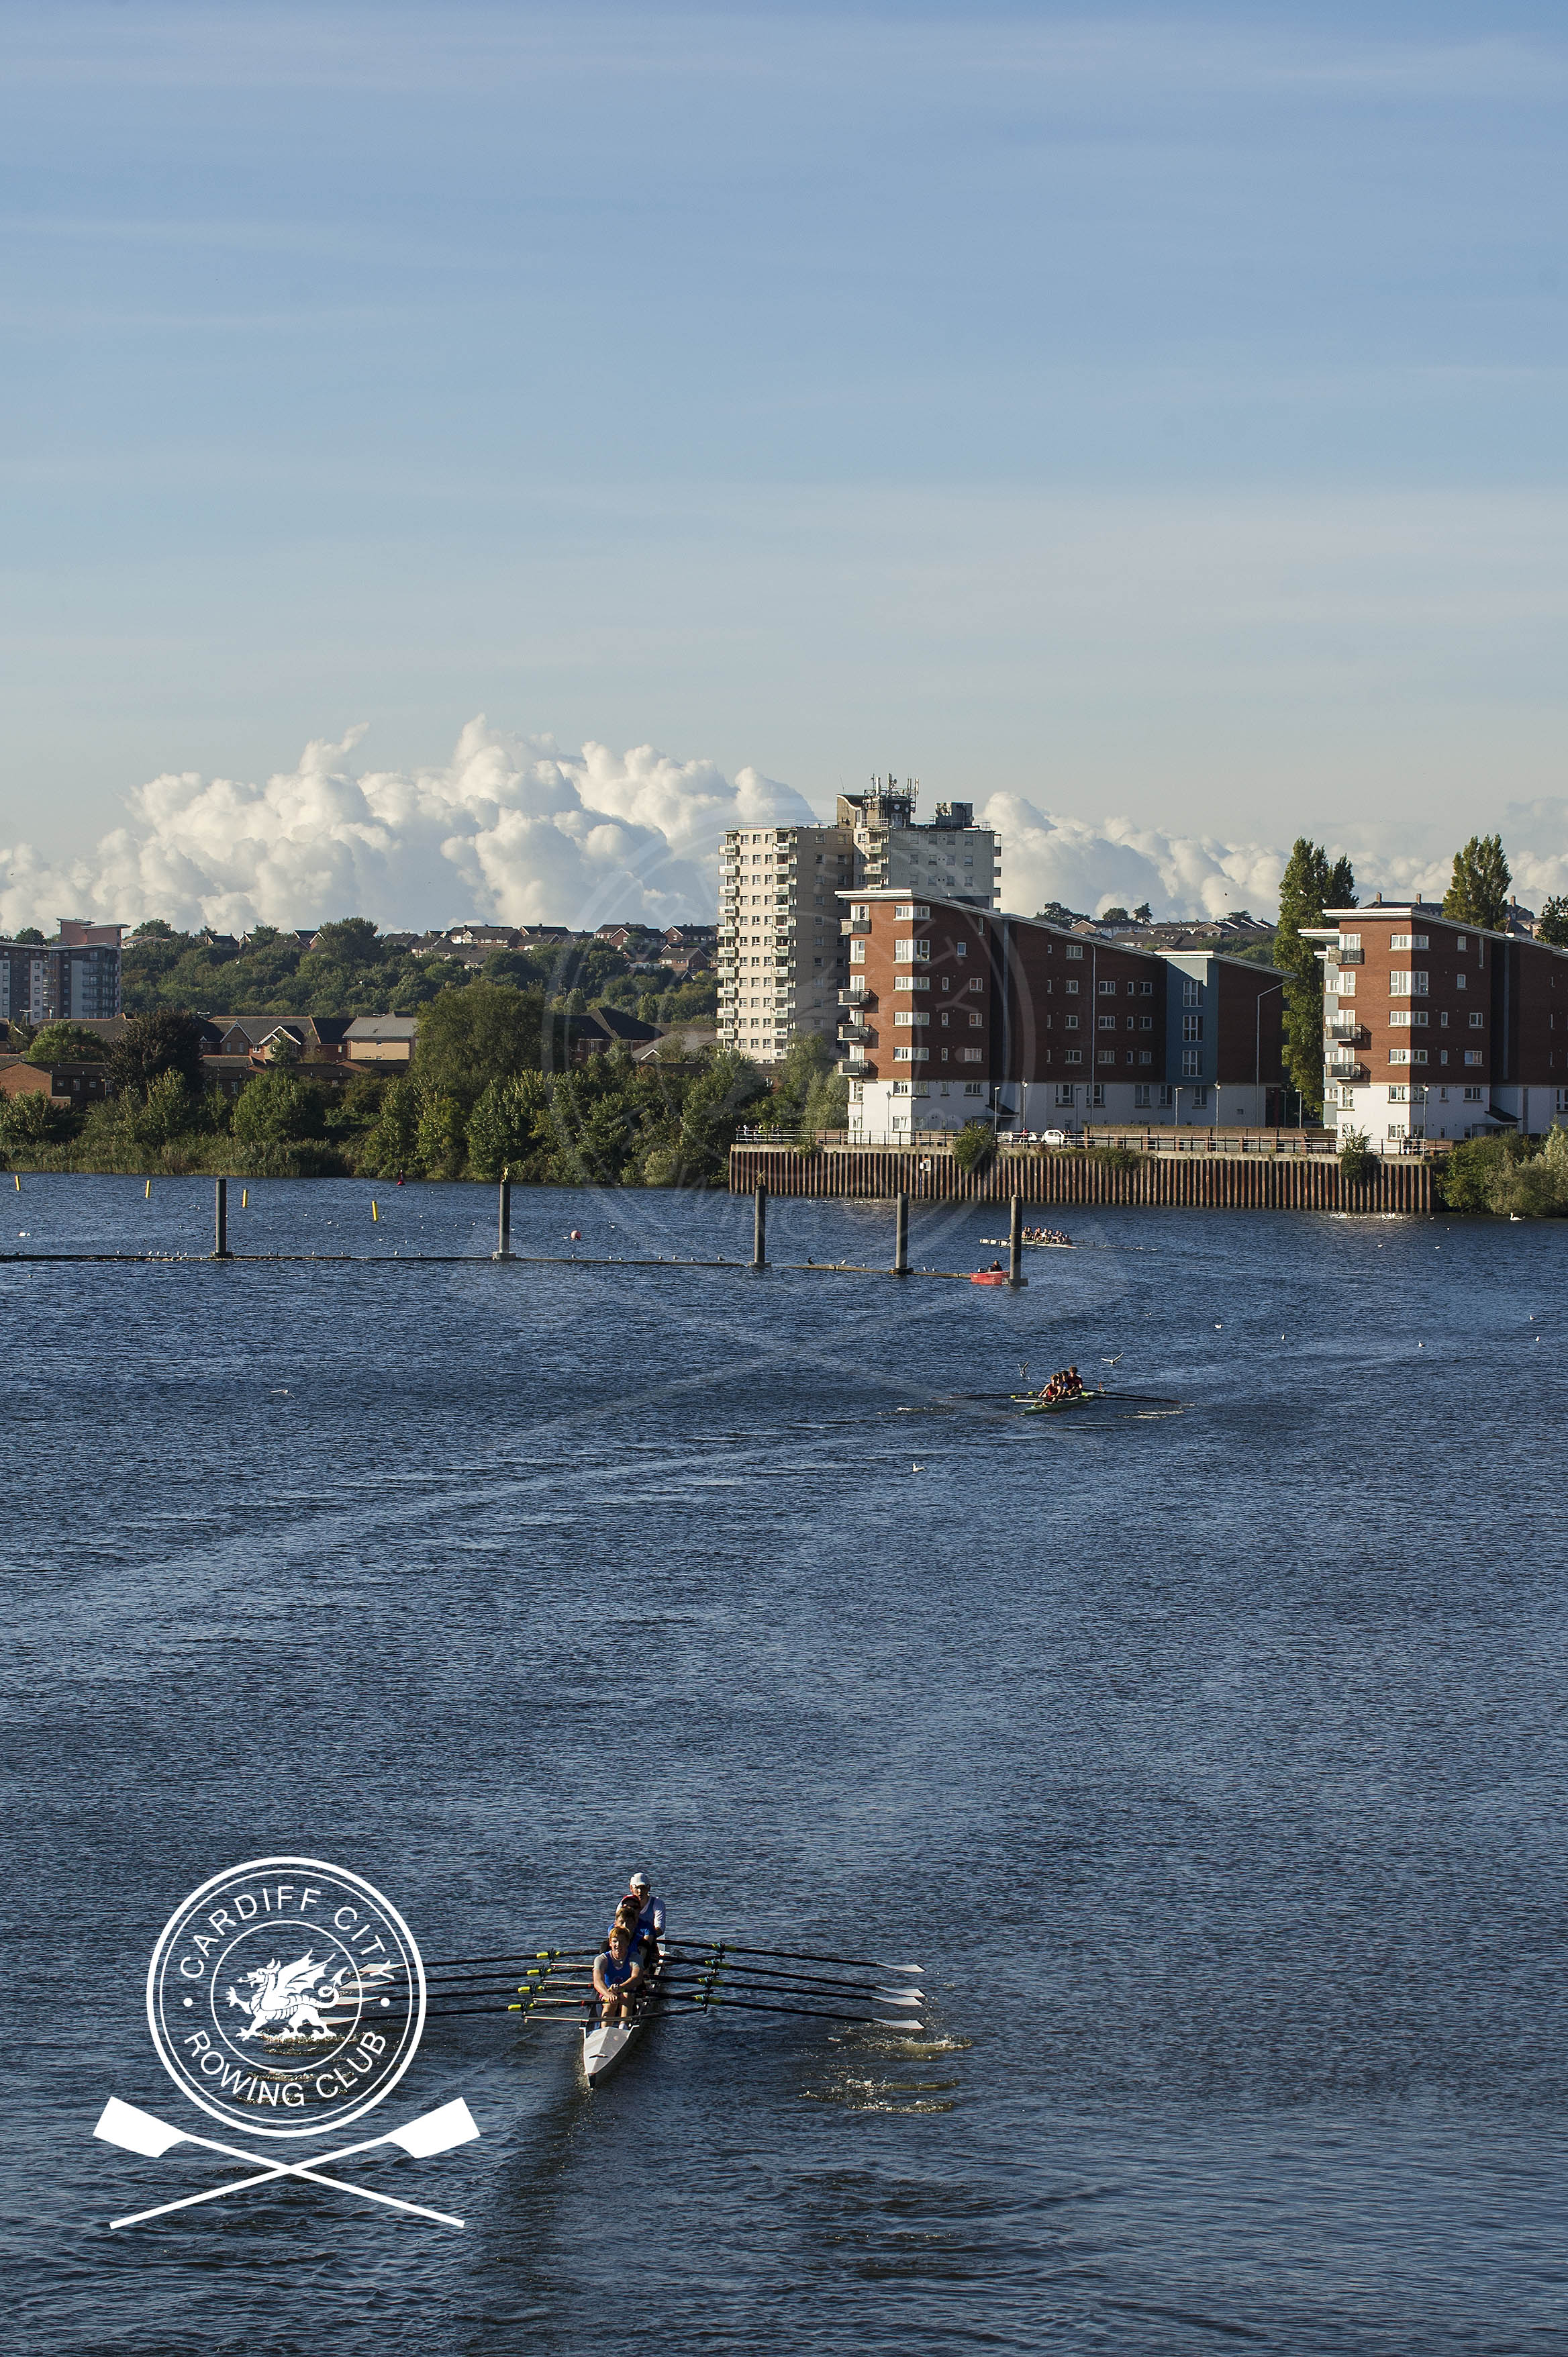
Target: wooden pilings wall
1200	1182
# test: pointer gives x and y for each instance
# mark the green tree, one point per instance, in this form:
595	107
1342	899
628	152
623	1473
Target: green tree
167	1042
469	1037
439	1140
275	1109
170	1112
508	1124
1310	885
1553	926
65	1043
31	1120
1477	893
393	1144
1358	1166
974	1146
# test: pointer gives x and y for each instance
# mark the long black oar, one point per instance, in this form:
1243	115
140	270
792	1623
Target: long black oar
796	1956
571	2014
744	1975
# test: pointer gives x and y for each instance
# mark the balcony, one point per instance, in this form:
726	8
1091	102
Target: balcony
1345	1068
854	924
1344	1029
858	1033
856	994
1347	957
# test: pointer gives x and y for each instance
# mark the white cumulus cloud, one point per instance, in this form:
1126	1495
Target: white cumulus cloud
510	829
514	829
1048	858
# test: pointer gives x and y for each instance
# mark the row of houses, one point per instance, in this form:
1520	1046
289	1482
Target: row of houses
334	1050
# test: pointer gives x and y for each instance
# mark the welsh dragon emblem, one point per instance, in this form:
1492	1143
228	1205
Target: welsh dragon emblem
287	2000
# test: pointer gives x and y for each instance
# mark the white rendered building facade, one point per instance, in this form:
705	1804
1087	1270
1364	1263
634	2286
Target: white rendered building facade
781	954
782	957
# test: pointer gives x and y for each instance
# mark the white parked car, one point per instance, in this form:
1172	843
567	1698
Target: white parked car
1053	1137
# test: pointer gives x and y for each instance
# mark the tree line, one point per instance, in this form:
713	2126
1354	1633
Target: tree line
352	969
492	1090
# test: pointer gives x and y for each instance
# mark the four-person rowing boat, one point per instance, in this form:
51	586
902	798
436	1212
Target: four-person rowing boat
608	1995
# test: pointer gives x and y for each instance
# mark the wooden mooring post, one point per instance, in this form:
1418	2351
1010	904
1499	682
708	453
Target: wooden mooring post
901	1235
1015	1241
759	1230
220	1220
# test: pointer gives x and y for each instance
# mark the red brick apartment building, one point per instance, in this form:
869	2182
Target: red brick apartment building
1437	1030
954	1013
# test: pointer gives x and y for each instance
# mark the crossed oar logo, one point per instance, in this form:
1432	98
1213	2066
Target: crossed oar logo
285	1999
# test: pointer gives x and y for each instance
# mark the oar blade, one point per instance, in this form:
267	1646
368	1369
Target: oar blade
134	2131
436	2131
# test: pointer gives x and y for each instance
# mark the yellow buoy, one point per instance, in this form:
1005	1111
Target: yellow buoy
17	1175
149	1193
374	1213
245	1198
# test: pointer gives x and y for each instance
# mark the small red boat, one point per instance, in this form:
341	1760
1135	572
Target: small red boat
989	1276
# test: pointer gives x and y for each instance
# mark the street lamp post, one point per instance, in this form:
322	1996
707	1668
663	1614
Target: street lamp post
1258	1040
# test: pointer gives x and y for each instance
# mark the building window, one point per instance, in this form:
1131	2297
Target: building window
1353	941
960	949
1097	1095
857	953
973	1089
1108	990
1141	1094
1073	950
969	1055
1475	1056
1399	1093
1108	1055
1192	1026
1069	1023
1399	1055
976	1022
1347	1098
1145	1022
902	1022
1073	1056
1191	991
1168	1096
1477	1022
1398	1129
1066	1094
1199	1099
977	984
1405	985
1108	1023
1461	981
1145	1055
908	1055
1071	988
1145	989
1409	941
1401	1018
1464	944
1191	1063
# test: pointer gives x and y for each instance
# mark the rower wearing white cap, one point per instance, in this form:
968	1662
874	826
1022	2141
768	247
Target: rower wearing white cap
649	1918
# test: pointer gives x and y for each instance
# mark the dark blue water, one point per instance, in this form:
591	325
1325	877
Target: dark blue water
1212	1763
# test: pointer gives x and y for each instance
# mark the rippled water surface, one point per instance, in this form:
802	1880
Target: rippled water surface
1211	1763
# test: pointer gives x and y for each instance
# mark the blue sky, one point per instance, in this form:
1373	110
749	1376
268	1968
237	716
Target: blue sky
1155	412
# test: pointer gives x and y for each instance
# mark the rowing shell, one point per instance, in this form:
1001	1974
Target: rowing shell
1059	1406
1035	1244
604	2047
